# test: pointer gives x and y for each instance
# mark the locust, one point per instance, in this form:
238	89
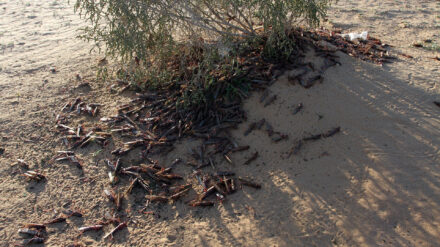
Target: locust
72	158
224	173
260	123
331	132
201	203
296	148
297	108
179	194
227	158
131	186
90	228
117	228
206	193
70	213
34	175
309	83
252	158
56	220
264	95
239	149
279	137
27	231
249	183
270	100
40	227
157	198
34	240
23	163
177	189
251	127
269	129
110	195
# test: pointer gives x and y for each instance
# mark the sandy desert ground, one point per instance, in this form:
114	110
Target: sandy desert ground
375	184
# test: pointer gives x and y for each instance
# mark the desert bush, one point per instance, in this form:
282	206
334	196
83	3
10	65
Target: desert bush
187	40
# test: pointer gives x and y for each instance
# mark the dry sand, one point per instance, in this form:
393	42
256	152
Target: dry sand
375	184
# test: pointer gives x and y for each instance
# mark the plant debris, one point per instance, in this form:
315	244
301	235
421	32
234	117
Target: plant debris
371	49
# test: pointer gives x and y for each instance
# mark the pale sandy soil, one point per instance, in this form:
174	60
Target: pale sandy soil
375	184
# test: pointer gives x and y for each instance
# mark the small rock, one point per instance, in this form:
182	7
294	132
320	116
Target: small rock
2	151
53	70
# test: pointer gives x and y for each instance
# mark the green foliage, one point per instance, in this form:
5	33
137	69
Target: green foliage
194	42
145	27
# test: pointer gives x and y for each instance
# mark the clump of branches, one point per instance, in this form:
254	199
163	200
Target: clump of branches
175	41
